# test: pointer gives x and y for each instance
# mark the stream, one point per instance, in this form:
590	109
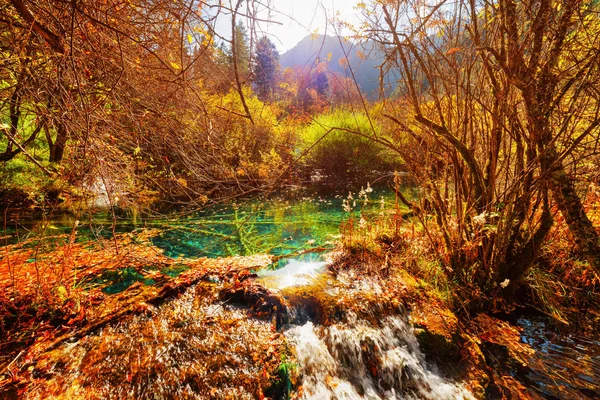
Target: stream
356	359
197	346
278	226
200	345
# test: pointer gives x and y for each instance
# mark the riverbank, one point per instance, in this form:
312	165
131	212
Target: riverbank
87	287
81	330
39	345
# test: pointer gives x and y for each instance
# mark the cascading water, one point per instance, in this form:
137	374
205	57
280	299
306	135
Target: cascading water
197	346
294	273
360	361
355	359
190	347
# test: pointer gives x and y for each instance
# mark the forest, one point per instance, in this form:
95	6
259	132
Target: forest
406	204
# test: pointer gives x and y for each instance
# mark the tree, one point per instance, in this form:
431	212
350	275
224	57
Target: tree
266	68
123	92
310	88
320	83
241	48
500	95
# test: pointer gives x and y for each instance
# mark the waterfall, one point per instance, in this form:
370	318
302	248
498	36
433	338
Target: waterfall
196	346
357	360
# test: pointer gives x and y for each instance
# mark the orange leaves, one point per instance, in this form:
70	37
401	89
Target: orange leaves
502	333
78	318
78	308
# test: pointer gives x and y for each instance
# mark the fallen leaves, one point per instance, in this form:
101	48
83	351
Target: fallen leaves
502	333
50	289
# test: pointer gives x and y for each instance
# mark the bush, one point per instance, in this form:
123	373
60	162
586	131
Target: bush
347	152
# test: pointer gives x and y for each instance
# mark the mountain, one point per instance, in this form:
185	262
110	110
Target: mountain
364	59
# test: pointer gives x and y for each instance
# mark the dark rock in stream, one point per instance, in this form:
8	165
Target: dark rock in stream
262	302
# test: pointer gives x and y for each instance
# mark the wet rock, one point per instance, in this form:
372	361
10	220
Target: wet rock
371	355
262	302
445	343
437	331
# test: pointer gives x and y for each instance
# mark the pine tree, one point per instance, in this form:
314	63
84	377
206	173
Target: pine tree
226	50
320	83
266	67
242	51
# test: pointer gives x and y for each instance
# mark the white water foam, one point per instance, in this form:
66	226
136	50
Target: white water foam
295	273
359	361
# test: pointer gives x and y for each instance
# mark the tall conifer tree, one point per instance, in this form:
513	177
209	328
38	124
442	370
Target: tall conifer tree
266	67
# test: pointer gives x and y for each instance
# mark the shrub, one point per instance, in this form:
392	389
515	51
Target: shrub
339	145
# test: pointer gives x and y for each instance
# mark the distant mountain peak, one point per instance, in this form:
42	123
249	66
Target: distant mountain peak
329	48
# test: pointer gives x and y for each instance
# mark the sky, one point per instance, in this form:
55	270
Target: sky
298	19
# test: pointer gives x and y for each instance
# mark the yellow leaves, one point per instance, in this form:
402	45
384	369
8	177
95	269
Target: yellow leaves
207	40
331	382
360	55
590	17
264	172
557	5
62	293
289	88
175	65
202	199
190	38
182	182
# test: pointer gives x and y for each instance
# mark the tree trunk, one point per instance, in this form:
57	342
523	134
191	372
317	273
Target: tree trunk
571	207
57	149
519	263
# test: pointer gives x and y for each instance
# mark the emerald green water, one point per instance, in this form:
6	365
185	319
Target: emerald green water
281	226
276	227
284	227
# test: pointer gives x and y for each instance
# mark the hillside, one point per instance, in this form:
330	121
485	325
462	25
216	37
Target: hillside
363	58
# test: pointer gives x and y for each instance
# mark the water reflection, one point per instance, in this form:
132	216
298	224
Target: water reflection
568	367
279	226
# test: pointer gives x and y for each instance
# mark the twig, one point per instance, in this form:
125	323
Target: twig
7	368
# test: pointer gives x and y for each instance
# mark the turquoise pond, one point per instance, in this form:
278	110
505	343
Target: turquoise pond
279	226
283	227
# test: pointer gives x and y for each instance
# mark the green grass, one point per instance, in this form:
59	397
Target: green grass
348	149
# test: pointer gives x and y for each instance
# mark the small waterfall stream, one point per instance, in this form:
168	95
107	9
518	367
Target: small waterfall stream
356	359
338	339
360	361
198	346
